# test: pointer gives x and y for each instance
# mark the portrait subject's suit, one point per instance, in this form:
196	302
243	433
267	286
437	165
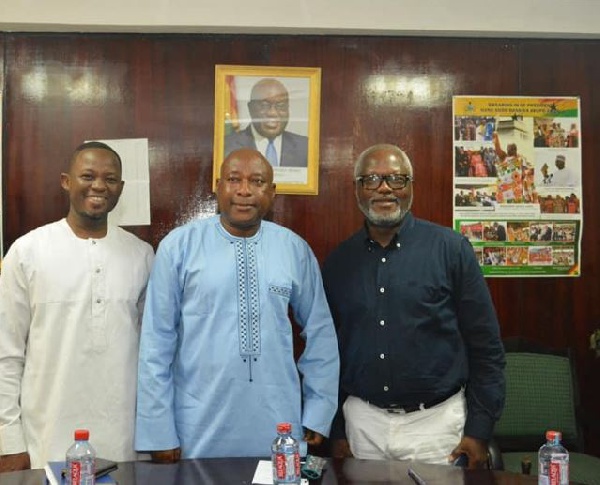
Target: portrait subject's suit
294	147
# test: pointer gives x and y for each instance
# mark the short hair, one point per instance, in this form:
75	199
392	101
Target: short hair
89	145
560	157
375	148
262	82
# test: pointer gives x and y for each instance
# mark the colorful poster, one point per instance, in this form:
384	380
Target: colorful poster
517	183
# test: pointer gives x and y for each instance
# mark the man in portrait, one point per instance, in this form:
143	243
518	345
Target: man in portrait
269	111
563	176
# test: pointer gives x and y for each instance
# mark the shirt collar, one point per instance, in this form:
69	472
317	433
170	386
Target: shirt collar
227	235
407	223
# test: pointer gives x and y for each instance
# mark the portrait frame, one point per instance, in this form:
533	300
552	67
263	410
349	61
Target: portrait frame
233	86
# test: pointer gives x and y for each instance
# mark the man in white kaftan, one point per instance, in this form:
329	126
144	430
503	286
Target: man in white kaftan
71	295
217	369
563	176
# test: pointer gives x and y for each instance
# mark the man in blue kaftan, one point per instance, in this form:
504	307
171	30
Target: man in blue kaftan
217	369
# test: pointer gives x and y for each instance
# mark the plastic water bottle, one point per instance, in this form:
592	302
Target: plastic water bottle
81	460
553	461
285	456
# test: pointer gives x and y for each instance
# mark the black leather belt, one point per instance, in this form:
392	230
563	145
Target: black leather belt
411	408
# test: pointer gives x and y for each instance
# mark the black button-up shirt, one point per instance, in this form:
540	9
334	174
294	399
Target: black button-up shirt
415	321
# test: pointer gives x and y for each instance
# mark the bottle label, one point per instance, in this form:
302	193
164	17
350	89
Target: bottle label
558	471
81	472
287	466
75	472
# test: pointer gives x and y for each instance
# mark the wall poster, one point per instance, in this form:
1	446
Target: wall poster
517	183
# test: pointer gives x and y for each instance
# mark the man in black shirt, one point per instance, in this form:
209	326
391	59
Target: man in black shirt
422	363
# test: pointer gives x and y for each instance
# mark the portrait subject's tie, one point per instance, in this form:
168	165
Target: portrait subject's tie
271	154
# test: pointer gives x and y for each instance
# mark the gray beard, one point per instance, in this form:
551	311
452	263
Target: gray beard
384	220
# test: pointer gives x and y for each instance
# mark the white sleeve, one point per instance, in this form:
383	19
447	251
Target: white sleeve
15	318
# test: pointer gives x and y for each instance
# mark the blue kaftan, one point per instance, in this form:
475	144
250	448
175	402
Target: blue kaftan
217	369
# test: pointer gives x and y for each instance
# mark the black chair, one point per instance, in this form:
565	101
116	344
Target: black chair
541	394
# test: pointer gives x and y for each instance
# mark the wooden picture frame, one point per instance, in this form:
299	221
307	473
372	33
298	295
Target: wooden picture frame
247	115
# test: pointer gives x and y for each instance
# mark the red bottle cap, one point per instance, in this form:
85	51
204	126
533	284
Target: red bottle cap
82	434
284	428
551	435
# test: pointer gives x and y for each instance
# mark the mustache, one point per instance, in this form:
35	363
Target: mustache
385	199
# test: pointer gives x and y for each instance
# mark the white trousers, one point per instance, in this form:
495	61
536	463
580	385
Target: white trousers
427	435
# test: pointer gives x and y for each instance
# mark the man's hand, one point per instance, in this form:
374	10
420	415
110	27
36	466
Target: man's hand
476	451
166	456
312	437
18	461
341	449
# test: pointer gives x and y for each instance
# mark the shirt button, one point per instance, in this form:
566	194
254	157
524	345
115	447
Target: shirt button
386	388
383	260
382	322
98	300
382	356
98	270
93	242
397	245
382	290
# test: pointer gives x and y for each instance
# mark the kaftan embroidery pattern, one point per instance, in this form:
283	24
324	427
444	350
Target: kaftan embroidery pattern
248	302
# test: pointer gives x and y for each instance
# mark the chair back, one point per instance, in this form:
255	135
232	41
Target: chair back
541	394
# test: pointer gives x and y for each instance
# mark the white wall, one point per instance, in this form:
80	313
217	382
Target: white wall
510	18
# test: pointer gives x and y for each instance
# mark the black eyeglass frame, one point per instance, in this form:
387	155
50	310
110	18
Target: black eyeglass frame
391	180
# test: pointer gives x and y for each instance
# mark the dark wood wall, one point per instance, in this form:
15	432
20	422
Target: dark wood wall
61	89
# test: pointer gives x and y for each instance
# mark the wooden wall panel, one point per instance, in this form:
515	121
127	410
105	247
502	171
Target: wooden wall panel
566	311
63	89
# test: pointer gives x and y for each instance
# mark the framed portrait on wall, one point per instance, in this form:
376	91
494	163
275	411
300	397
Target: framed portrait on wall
276	111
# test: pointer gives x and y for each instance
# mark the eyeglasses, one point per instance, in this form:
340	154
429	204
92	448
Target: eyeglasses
265	106
394	181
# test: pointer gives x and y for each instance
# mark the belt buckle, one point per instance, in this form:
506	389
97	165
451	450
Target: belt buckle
404	410
395	410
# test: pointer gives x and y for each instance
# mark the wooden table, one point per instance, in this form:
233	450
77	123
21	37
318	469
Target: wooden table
240	471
